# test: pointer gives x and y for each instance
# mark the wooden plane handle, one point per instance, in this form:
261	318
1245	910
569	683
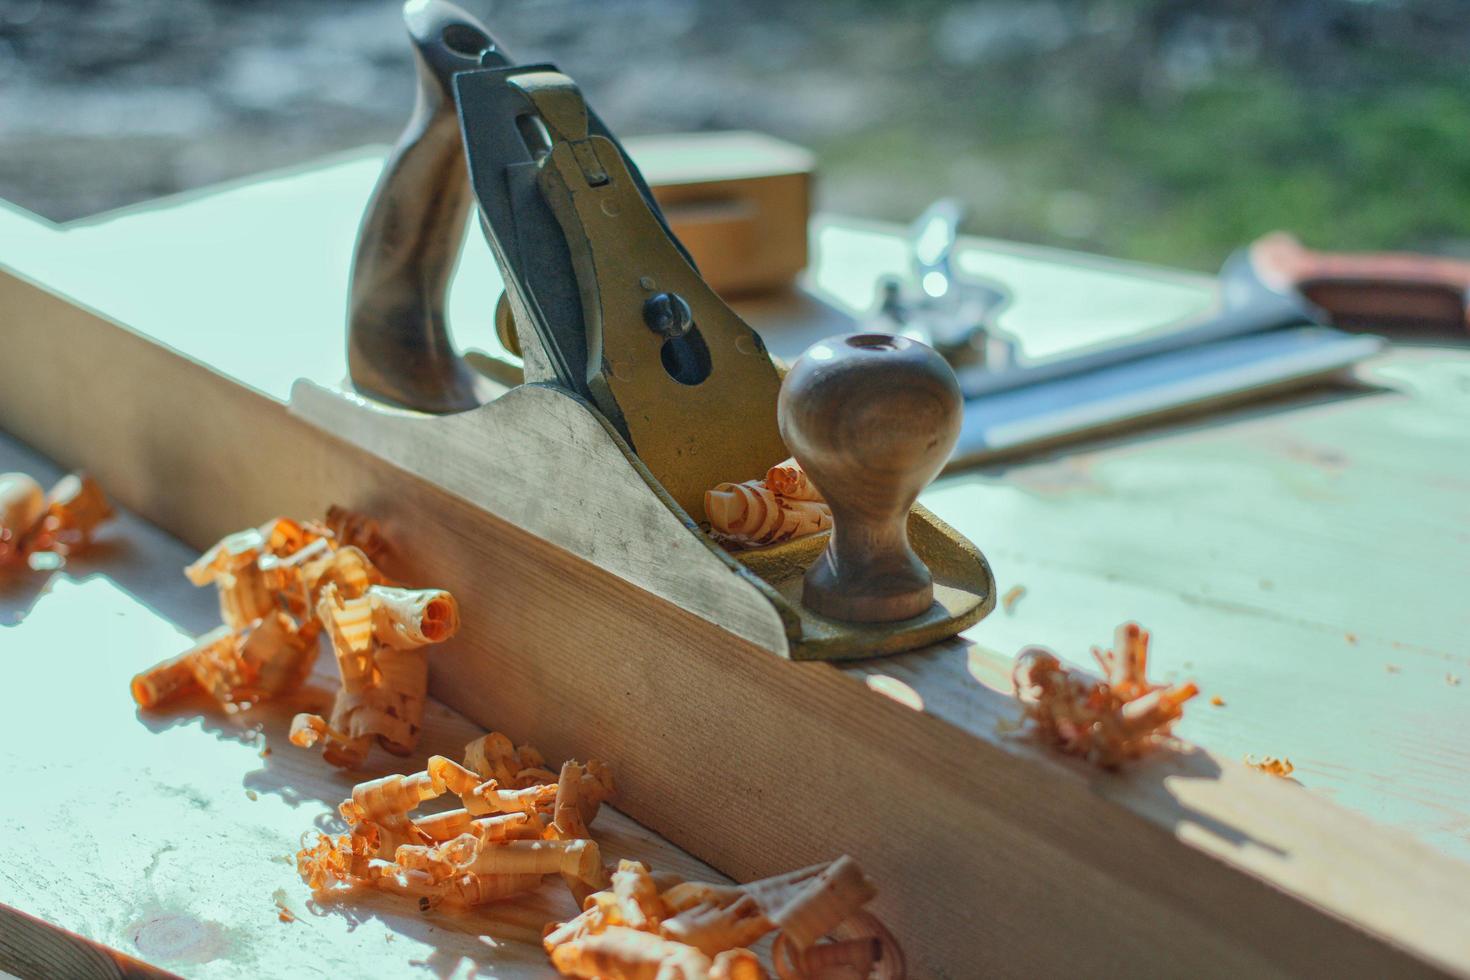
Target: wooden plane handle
398	344
871	418
1369	288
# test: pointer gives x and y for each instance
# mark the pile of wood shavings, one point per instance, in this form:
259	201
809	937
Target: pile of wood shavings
1106	721
282	584
519	824
40	528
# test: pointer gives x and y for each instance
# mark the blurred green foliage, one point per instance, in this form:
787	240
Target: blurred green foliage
1173	132
1163	130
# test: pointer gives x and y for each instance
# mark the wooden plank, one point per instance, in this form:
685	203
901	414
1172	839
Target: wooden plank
164	841
1190	863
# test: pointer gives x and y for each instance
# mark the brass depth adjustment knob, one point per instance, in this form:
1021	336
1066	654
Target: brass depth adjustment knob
872	419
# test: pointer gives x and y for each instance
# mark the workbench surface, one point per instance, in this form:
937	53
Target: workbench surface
170	836
1303	560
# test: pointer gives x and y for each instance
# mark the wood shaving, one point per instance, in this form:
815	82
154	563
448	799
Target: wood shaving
42	528
698	930
1012	596
857	947
789	480
1217	701
1106	721
283	913
780	507
493	757
377	636
355	530
1271	765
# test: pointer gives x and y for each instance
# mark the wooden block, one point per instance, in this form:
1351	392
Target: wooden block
739	202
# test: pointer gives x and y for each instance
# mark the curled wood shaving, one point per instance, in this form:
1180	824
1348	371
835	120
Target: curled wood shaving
236	667
265	659
623	953
50	525
487	797
75	506
452	824
357	531
713	928
1271	765
376	636
808	904
789	480
493	757
1013	595
636	896
1107	721
858	947
782	506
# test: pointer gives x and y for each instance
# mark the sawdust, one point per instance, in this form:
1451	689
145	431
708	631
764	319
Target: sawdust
283	912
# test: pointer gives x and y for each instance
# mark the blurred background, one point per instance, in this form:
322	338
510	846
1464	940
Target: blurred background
1163	130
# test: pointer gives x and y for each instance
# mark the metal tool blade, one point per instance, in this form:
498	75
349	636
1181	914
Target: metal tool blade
1247	304
1123	395
503	147
520	228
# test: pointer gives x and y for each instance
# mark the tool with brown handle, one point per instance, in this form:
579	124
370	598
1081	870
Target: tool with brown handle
872	419
399	348
1368	289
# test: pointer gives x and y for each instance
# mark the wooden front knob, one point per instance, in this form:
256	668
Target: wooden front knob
872	419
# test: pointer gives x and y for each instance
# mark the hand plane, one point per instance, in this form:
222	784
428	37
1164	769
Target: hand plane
640	390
